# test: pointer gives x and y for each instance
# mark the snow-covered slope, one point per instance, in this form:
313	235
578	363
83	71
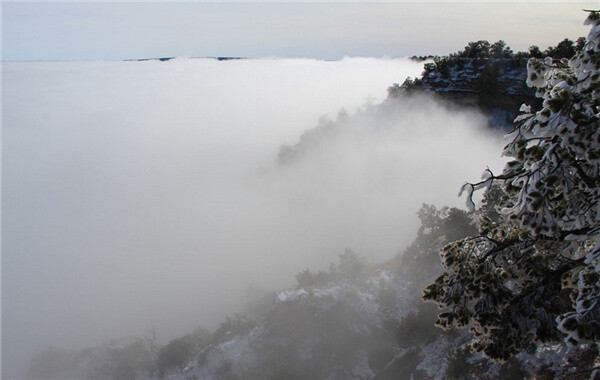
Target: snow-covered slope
355	321
361	321
345	330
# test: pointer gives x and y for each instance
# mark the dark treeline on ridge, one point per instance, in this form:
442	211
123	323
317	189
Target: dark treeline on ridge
483	49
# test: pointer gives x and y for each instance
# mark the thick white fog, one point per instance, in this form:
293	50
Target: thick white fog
148	194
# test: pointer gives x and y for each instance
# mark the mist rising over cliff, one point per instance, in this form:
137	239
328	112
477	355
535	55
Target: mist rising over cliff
148	194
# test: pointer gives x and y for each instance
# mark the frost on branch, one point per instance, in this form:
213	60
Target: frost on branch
533	273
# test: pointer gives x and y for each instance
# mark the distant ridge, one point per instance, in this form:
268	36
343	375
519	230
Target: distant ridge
164	59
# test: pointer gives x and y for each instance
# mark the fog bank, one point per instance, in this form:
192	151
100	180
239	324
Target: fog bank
147	194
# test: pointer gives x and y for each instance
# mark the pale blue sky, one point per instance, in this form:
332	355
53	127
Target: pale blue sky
119	30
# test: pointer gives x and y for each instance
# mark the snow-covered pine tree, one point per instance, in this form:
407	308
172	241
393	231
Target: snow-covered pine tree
533	273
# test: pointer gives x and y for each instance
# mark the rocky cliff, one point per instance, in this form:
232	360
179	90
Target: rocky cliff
495	85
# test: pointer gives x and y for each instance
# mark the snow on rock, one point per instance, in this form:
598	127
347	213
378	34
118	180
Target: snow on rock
291	295
469	75
348	330
435	361
362	370
327	332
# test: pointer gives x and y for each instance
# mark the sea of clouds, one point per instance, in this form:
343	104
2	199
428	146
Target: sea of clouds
148	194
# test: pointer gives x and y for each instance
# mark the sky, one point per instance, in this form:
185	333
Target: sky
128	30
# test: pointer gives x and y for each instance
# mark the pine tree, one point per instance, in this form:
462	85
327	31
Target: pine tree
532	275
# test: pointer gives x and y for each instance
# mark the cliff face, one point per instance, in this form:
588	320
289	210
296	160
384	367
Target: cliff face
496	86
503	76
